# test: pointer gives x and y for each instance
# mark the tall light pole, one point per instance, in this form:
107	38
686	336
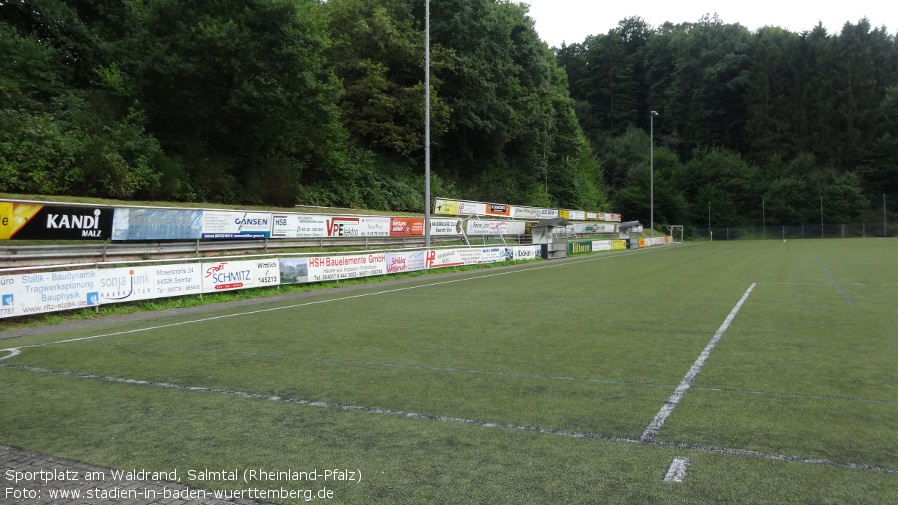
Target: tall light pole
427	124
652	115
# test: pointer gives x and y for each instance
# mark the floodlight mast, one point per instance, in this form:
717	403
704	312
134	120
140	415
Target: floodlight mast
427	124
652	115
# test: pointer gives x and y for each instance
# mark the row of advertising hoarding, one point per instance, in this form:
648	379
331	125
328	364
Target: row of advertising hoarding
446	207
40	221
37	292
585	246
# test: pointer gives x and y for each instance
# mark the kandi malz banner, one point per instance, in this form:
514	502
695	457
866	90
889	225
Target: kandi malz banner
32	221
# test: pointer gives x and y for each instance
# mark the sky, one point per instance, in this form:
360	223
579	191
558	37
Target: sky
573	20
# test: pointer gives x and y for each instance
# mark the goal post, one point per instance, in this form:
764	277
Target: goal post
676	233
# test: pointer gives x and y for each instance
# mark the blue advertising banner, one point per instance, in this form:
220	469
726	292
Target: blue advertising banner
157	224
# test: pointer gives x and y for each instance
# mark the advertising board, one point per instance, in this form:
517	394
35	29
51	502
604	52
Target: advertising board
298	226
229	225
242	274
333	268
29	221
157	224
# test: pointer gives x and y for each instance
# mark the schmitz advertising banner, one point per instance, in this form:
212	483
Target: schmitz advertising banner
29	221
333	268
236	225
299	226
157	224
358	226
243	274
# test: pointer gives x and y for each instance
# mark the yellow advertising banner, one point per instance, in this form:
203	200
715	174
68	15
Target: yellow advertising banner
618	245
445	207
13	217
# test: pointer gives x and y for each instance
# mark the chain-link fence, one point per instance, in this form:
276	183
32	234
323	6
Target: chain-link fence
798	231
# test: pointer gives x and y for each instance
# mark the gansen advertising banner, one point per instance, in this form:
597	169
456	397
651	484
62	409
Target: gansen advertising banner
406	227
29	221
157	224
236	225
332	268
243	274
299	226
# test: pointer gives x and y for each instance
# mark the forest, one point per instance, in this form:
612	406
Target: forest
285	102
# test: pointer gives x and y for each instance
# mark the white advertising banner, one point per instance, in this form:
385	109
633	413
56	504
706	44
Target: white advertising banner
126	284
177	280
242	274
601	245
525	252
496	254
358	226
236	225
405	261
36	293
442	258
446	227
298	226
475	227
332	268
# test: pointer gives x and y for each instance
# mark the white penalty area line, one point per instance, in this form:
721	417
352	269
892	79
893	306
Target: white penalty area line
651	431
467	422
317	302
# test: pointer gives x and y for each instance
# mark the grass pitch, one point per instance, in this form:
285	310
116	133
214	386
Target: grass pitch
526	385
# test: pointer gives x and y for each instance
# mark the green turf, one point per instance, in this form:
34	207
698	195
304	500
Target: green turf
591	346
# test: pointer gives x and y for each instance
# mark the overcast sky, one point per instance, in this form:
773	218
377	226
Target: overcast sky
573	20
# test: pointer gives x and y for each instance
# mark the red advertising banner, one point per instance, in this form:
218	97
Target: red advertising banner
406	227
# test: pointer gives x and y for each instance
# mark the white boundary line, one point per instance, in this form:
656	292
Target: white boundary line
677	471
651	431
469	422
342	298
